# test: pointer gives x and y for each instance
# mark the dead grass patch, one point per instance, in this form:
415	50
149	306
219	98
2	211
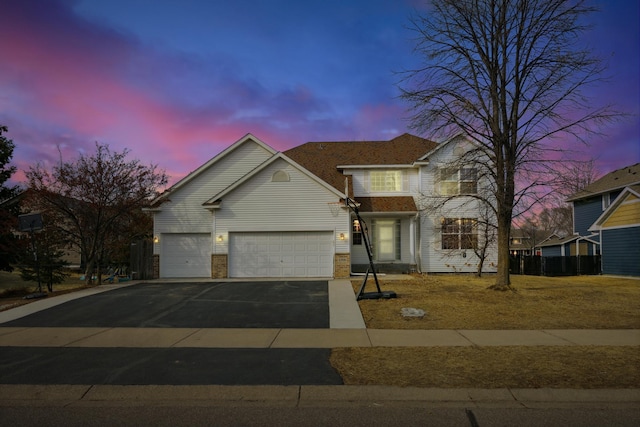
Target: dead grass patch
579	367
464	302
13	289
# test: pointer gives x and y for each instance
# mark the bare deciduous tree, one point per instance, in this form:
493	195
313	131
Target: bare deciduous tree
92	199
511	75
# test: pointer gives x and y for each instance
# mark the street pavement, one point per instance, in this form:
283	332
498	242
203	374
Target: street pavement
74	372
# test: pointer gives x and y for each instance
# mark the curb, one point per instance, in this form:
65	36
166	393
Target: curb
310	395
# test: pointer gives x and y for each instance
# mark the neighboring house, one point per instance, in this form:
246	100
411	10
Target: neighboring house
254	212
526	242
25	202
605	209
619	229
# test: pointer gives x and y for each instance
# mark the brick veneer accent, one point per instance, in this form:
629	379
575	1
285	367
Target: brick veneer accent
156	266
219	267
341	266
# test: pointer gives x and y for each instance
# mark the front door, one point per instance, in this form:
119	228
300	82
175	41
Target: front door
385	240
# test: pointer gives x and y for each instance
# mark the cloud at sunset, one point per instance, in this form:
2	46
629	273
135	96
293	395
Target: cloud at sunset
76	72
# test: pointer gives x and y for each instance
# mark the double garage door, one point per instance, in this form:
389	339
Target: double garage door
273	254
281	254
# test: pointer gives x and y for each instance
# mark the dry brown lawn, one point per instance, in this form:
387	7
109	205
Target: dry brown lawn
581	367
463	302
13	289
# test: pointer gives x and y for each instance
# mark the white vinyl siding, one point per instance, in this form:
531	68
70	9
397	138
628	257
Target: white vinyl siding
184	211
433	258
272	209
300	204
281	254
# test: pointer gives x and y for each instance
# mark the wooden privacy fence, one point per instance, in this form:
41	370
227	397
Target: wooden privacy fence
141	260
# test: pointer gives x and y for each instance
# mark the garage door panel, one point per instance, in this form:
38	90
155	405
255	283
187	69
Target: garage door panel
287	254
186	255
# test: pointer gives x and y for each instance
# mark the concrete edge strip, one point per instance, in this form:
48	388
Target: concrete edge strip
304	394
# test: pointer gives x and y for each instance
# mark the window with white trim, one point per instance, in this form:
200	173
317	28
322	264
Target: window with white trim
459	233
386	181
356	233
458	181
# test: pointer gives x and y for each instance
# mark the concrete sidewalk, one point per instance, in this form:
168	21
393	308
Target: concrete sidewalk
307	338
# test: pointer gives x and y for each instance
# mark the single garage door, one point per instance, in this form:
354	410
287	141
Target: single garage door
281	254
185	255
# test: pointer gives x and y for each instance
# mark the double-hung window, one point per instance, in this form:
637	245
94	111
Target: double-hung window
459	233
458	181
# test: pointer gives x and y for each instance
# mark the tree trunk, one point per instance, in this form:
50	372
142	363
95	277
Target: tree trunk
503	279
88	272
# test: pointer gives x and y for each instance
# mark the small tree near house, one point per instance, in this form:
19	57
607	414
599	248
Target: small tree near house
43	261
93	200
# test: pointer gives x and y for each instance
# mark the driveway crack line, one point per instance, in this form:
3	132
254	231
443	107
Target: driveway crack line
274	338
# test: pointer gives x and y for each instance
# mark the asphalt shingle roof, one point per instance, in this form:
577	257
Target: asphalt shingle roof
617	179
323	158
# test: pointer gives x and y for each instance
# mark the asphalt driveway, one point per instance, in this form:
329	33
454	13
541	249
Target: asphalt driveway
256	304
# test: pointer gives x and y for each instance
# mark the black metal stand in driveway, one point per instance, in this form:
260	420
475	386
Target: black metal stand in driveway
351	204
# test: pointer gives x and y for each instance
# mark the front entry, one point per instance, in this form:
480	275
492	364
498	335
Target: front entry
385	240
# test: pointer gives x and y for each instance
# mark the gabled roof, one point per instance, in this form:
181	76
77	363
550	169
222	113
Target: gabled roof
212	161
555	241
443	144
631	190
559	240
615	180
323	158
214	201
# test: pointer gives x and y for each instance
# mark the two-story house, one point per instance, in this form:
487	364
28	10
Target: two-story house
254	212
606	221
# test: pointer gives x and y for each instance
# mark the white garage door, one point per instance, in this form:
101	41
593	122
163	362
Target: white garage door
185	255
281	254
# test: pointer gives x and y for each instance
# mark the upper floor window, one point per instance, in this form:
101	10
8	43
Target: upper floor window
386	181
456	181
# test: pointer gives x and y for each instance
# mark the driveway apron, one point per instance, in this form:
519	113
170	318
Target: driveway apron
277	304
268	304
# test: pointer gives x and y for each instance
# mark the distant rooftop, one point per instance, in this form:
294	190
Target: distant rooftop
618	179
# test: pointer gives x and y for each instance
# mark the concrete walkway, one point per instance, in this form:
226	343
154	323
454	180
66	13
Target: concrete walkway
306	338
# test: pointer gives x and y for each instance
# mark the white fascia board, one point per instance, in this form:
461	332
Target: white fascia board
441	145
193	174
410	166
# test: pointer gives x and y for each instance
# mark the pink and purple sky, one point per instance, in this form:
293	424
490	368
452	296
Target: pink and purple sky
177	81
